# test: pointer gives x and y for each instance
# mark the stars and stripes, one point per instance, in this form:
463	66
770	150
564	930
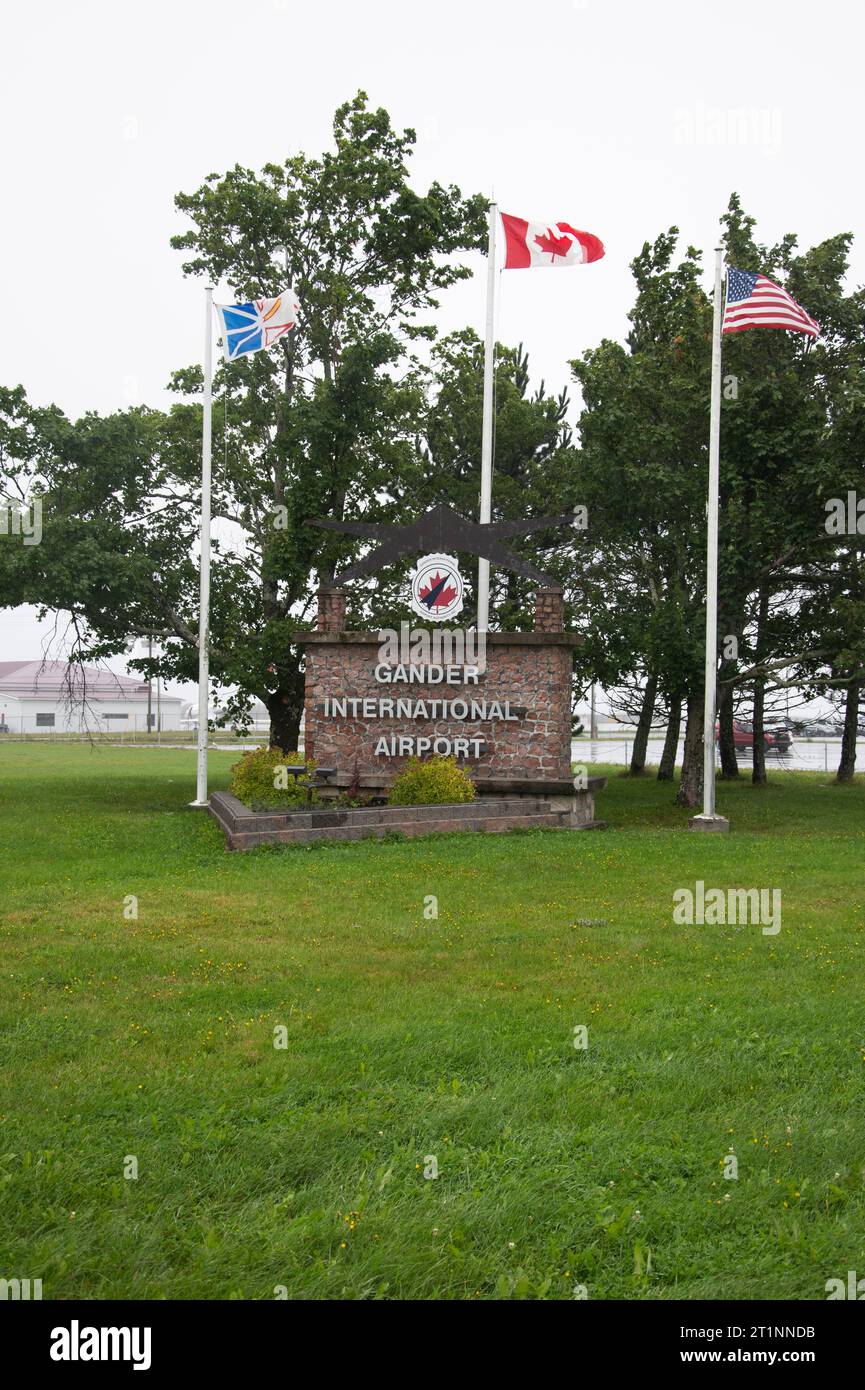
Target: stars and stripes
754	301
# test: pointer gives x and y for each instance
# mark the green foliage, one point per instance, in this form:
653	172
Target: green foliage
323	425
341	420
326	424
260	780
534	459
641	473
434	781
791	436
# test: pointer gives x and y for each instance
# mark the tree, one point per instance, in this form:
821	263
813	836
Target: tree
533	460
643	432
114	546
775	461
325	424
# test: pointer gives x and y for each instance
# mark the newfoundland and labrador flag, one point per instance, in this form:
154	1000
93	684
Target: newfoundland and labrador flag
248	327
754	301
547	243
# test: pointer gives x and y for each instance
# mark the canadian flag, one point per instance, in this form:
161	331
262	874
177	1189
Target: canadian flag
547	243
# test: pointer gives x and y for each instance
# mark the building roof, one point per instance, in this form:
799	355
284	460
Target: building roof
58	679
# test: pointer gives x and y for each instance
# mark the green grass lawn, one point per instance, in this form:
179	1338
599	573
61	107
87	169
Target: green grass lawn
410	1037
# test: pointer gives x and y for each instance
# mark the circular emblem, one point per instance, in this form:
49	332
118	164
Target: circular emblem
437	588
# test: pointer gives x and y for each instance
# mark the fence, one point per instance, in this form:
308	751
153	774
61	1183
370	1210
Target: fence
812	755
21	729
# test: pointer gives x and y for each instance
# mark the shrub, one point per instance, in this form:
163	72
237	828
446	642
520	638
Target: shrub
431	783
260	781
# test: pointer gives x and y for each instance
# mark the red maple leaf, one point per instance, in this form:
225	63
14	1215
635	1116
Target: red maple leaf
556	245
442	599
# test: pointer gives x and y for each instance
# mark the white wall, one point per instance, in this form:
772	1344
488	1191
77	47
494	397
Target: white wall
20	715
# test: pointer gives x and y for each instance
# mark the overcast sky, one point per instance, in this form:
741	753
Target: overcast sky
618	116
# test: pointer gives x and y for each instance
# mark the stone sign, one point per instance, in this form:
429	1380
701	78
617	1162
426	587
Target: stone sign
501	707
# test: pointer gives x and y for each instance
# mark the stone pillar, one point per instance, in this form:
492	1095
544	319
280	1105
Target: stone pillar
331	609
550	609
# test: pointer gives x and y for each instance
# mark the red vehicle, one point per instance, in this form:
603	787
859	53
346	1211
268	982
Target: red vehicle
774	740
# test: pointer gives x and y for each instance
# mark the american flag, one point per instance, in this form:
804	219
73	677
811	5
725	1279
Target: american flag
753	301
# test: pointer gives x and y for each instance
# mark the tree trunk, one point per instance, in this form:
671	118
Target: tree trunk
284	725
285	708
726	741
691	782
644	725
847	765
758	776
667	769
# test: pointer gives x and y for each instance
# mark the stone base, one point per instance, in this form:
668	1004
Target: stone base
719	824
330	784
576	805
245	829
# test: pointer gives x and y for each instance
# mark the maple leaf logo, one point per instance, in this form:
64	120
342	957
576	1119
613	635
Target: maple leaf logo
555	245
437	593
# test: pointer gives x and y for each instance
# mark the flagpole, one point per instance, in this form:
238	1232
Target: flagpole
204	589
487	435
709	820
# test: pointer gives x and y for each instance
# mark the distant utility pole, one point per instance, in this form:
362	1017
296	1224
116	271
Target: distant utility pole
149	681
594	709
158	634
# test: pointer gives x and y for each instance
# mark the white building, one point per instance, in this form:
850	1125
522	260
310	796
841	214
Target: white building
258	714
38	696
